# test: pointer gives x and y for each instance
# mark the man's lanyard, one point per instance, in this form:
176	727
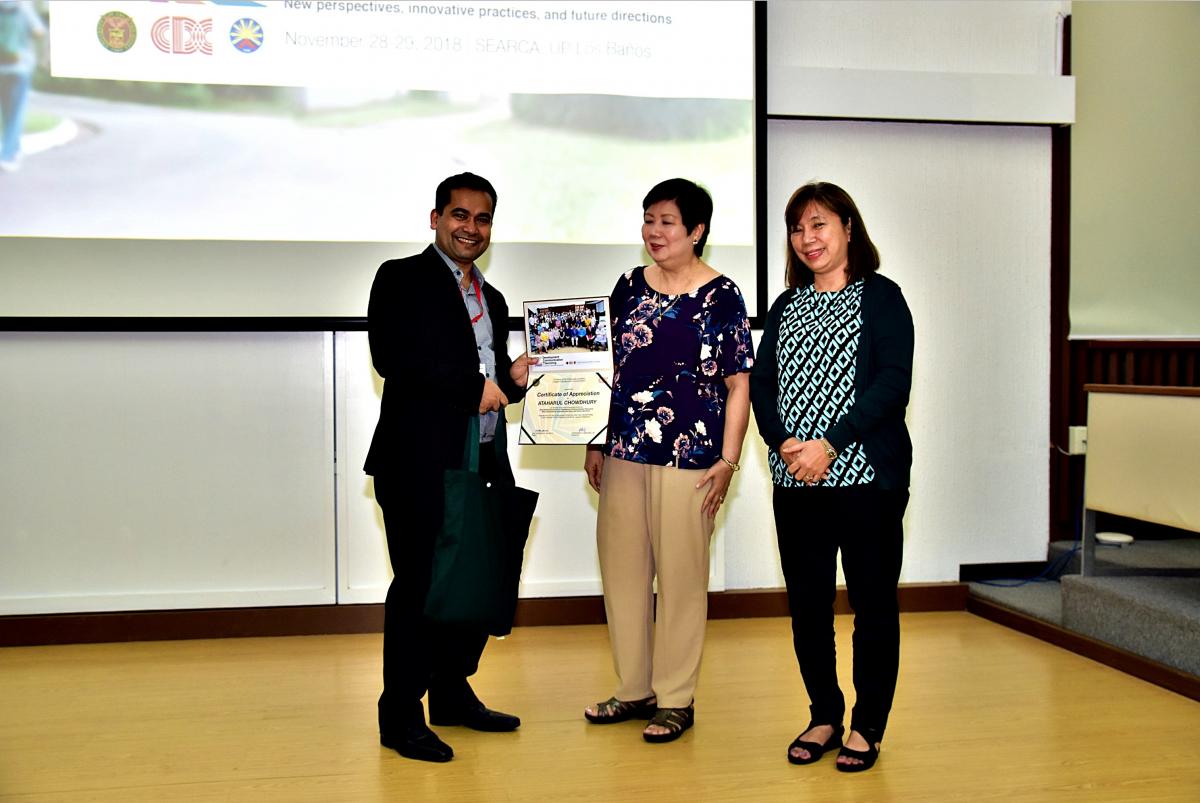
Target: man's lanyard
478	297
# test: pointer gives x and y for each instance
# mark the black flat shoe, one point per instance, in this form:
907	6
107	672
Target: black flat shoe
475	716
867	757
815	750
418	743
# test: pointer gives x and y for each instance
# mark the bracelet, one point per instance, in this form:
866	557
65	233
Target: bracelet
730	463
830	452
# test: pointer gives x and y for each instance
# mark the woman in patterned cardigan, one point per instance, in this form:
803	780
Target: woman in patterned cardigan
829	391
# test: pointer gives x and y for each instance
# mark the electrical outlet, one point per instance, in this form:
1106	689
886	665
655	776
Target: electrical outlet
1076	440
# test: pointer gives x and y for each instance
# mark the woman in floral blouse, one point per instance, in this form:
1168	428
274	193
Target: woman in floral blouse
680	405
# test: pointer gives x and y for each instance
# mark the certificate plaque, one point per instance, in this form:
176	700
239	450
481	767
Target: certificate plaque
570	388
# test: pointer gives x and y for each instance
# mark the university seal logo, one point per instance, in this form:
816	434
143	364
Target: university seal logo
246	35
116	31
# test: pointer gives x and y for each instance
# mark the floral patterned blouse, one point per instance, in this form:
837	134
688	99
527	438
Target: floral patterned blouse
671	355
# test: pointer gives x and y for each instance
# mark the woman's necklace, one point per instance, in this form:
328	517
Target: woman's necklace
662	306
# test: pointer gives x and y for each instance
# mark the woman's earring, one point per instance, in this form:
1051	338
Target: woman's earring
696	241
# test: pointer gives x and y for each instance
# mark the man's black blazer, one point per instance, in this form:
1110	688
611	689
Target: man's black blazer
423	345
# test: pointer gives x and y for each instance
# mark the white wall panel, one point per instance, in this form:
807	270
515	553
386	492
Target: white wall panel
948	36
152	470
892	95
919	60
363	568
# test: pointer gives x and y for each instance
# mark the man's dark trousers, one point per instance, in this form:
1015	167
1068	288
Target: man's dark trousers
420	655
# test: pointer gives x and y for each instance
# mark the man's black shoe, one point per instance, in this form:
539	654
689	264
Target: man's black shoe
417	742
475	716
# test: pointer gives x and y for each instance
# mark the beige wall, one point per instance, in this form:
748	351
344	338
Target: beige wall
1135	170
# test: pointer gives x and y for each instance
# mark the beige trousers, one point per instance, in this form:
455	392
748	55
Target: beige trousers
650	522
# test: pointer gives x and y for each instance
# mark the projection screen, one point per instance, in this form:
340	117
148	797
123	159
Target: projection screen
237	158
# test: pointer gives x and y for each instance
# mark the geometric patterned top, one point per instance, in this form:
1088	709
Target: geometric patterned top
816	352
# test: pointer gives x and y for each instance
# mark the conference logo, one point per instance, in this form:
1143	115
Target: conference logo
182	35
246	35
116	31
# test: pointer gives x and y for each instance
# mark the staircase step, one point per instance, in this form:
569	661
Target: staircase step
1156	617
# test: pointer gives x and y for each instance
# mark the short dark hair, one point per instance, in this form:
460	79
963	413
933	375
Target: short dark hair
463	181
694	202
862	255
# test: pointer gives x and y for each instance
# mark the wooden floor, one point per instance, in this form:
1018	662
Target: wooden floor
982	712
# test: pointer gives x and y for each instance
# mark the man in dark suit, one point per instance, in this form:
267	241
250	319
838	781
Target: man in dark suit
438	335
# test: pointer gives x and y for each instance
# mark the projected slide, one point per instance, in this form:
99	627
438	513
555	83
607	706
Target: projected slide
333	121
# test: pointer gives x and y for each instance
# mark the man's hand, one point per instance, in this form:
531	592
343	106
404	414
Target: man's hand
493	397
520	369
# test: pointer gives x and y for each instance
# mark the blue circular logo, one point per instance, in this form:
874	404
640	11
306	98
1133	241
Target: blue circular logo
246	35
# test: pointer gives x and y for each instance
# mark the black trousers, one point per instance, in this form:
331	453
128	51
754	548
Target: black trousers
420	655
866	524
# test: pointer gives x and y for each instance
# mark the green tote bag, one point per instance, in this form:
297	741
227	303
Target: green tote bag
479	551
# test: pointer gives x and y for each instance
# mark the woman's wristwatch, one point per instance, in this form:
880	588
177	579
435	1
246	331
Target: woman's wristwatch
830	452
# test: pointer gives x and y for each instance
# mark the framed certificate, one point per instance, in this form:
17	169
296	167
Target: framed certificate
570	387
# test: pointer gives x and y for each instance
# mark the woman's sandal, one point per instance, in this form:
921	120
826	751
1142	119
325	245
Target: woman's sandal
867	757
614	710
676	720
815	750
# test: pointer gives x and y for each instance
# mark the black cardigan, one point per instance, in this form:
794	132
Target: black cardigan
882	380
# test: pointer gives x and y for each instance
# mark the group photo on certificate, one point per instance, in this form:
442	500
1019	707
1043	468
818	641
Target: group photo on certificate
570	383
567	327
